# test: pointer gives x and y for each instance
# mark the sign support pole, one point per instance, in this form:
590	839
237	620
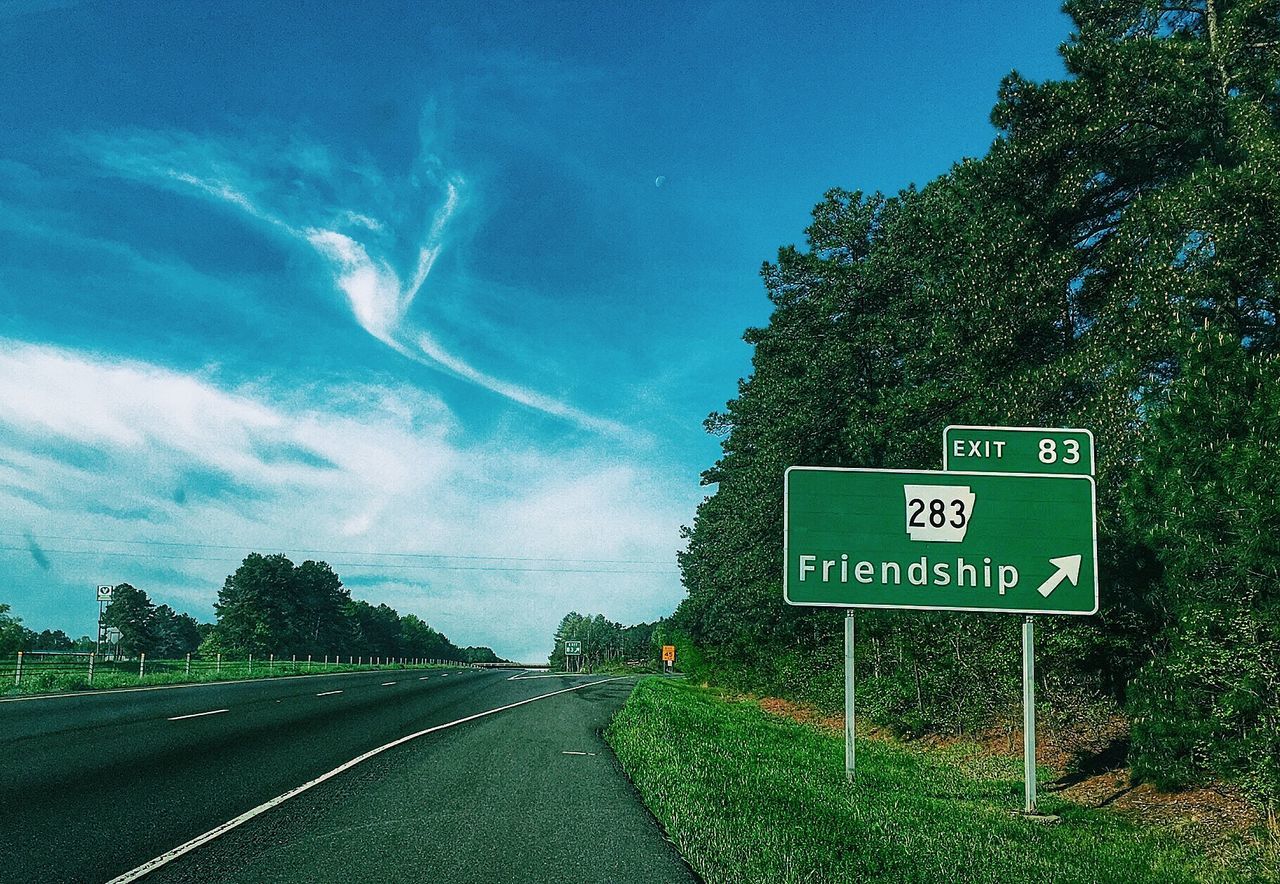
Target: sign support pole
848	696
1029	713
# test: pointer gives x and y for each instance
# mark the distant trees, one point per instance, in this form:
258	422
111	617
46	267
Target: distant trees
268	605
159	632
14	636
133	613
1113	262
604	640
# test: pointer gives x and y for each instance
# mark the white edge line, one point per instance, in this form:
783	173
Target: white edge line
198	714
327	693
168	857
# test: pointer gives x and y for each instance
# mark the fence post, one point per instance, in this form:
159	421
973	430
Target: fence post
219	662
142	664
295	662
326	661
91	667
17	675
188	672
251	664
271	664
308	662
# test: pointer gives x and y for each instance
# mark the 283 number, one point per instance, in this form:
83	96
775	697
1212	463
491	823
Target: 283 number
935	512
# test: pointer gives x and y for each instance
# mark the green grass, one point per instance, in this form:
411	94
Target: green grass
38	678
749	797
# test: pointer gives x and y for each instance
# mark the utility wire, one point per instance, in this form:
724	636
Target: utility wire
332	552
409	566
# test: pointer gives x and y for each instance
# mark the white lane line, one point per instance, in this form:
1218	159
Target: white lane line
327	693
165	858
424	678
385	683
199	714
176	687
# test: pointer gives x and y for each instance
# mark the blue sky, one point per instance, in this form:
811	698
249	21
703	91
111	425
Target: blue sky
439	293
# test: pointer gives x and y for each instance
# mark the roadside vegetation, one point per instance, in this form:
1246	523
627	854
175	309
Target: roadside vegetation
1112	262
747	796
268	610
57	676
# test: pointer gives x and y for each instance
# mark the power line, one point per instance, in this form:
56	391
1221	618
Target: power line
407	566
331	552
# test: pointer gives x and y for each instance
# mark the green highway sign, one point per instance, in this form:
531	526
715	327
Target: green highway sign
953	541
1017	450
572	648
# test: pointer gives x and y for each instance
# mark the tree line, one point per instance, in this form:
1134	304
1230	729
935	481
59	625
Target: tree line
267	606
1112	262
605	642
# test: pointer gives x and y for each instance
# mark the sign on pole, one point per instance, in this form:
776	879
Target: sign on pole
669	653
572	648
928	540
1017	450
104	593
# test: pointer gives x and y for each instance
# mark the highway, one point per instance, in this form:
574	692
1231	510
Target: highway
469	776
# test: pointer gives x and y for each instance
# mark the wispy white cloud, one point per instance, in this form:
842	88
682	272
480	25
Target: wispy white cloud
378	295
97	448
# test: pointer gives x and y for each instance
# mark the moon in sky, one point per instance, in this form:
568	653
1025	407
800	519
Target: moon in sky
660	180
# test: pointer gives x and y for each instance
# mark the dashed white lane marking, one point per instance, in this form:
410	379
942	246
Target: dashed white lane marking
385	683
198	714
571	752
166	858
327	693
424	678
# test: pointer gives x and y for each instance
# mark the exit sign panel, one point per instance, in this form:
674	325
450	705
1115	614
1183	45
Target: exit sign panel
1018	450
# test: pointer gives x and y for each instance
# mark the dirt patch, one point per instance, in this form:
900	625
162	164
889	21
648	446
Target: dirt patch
1091	773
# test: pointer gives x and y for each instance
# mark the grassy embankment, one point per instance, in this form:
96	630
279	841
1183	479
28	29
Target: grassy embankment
748	796
52	679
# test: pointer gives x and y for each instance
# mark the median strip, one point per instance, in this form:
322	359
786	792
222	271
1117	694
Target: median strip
199	714
182	849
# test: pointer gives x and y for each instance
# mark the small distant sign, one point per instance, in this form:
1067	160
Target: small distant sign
104	593
573	648
668	653
113	635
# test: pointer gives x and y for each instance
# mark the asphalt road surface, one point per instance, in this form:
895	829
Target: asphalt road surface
511	781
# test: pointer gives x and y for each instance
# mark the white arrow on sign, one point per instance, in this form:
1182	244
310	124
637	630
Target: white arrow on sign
1068	569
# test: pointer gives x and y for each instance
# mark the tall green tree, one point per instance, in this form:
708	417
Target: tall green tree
1124	217
257	606
319	617
132	612
173	634
14	636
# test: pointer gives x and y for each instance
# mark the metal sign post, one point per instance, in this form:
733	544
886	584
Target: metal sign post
1022	450
1029	713
849	752
1019	537
104	600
